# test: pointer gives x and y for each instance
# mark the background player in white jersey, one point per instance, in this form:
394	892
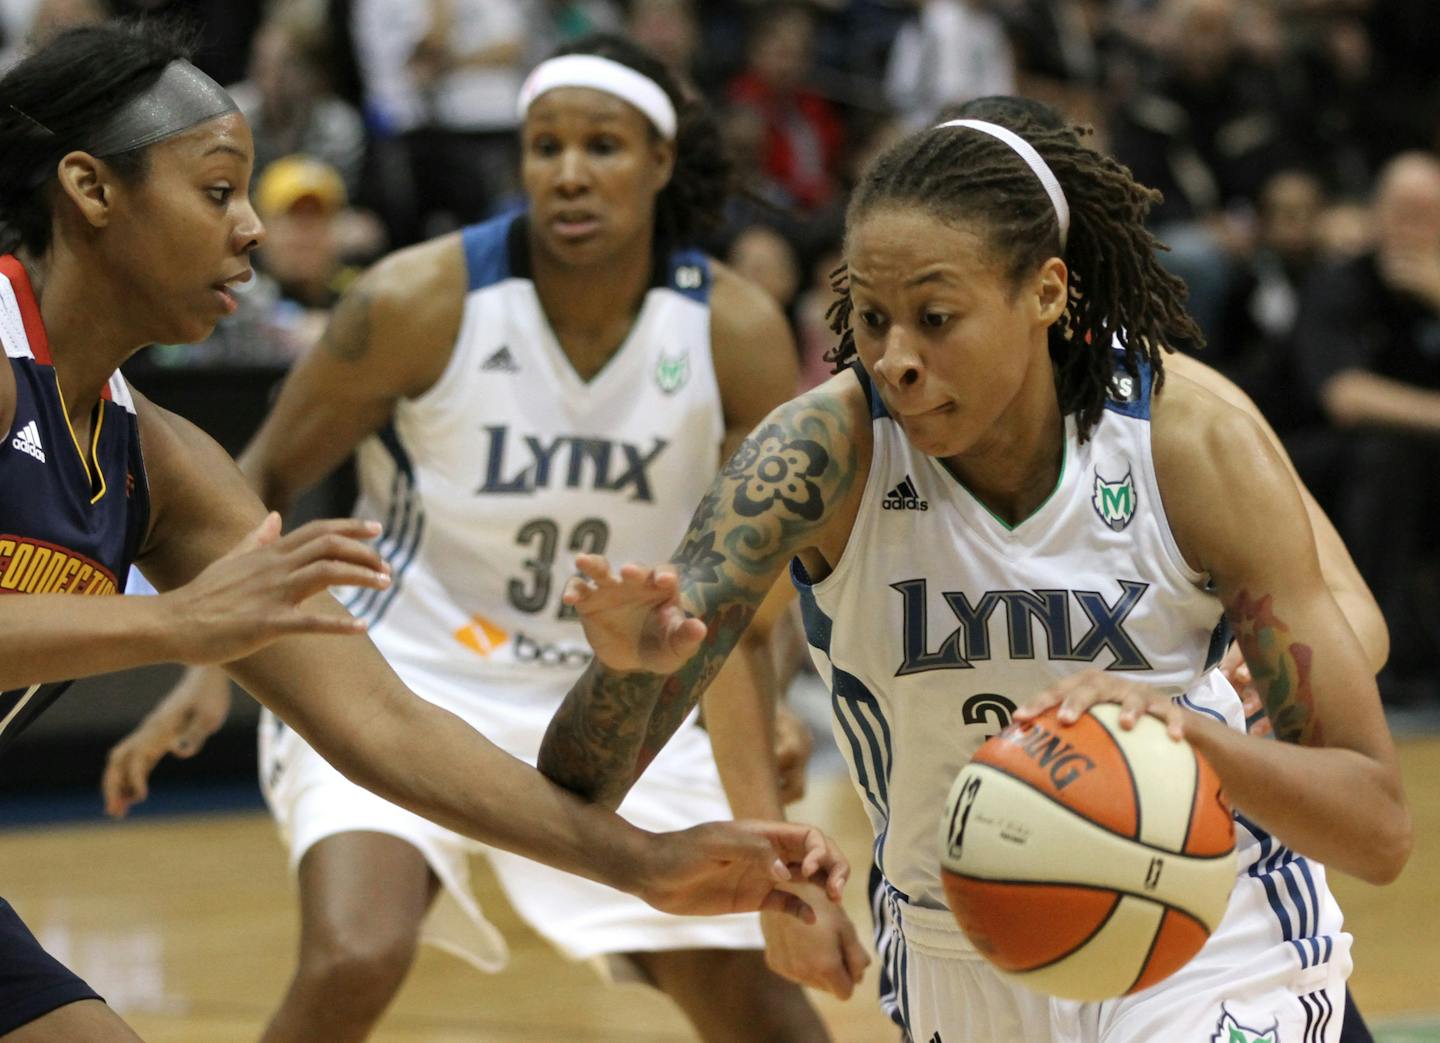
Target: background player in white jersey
990	504
125	216
555	381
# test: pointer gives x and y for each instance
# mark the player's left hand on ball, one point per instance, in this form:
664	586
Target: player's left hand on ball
736	867
1077	693
824	955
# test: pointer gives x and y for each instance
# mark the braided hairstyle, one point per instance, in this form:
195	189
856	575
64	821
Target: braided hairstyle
1118	291
57	99
693	202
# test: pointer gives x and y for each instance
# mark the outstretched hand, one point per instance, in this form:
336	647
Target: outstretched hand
741	867
634	620
256	593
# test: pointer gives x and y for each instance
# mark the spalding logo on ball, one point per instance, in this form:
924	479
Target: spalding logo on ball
1087	861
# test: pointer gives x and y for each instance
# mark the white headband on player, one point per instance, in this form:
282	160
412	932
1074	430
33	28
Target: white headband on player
601	74
1034	161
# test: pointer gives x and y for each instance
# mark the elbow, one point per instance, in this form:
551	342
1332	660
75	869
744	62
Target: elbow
1388	850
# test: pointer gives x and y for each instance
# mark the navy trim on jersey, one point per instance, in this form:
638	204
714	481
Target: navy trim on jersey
1191	704
1318	1012
487	251
888	946
1137	403
818	626
682	267
877	406
402	530
1219	645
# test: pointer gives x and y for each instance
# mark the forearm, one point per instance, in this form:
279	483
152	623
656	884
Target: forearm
414	754
740	719
1333	804
1356	398
59	637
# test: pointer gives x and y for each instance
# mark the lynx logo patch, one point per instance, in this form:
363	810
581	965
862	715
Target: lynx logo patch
672	373
1228	1030
1114	501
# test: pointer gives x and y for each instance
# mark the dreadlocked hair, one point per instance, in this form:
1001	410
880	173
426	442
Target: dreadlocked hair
693	203
1119	293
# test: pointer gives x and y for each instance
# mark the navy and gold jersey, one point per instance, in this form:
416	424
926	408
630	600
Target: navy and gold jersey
72	517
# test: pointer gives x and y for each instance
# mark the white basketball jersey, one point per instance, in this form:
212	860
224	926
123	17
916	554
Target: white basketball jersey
940	619
490	483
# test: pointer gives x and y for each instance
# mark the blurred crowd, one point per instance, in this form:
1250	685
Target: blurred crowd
1297	144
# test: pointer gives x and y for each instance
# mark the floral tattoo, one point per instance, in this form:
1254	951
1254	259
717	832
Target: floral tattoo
1281	668
775	468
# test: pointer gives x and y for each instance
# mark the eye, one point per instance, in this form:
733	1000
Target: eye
934	319
871	319
545	146
604	145
220	193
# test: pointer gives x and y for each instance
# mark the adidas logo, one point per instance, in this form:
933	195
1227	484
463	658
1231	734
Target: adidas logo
501	361
27	440
904	497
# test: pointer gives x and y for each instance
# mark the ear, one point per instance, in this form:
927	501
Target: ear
89	185
1052	291
663	155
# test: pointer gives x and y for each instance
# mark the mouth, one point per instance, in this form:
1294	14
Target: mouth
224	291
574	225
920	414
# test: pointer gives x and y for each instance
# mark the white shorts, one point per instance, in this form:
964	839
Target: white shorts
310	801
1243	979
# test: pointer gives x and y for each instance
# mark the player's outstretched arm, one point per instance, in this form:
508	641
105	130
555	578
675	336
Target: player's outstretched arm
660	635
343	698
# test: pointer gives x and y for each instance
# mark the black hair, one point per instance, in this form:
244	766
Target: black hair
1118	288
56	100
693	203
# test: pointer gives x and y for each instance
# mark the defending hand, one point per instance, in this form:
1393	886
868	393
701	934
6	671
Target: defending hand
633	621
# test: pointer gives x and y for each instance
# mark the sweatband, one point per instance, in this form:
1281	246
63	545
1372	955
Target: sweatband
1033	160
601	74
183	97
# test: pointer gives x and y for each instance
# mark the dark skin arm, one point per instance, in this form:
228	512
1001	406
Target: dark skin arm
342	697
674	628
1331	788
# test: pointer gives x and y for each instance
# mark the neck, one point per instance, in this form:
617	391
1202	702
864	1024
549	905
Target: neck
86	324
591	307
1015	466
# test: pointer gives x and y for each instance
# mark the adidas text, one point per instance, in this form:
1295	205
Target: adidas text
27	440
904	497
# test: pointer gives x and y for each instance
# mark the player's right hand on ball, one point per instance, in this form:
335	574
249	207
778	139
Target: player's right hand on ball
737	867
633	620
256	593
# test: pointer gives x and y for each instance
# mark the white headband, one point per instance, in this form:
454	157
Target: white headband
601	74
1034	161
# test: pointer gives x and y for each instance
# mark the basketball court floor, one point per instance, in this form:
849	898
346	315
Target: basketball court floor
187	924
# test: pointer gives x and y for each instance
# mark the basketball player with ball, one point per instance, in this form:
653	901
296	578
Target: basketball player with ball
1001	502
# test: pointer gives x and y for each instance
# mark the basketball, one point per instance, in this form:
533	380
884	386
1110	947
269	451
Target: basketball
1087	861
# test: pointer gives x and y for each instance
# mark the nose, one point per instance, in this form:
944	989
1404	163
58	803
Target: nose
900	364
572	172
249	230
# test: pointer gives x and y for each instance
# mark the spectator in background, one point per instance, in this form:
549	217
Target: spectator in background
441	81
555	22
949	52
803	139
288	102
1369	331
25	24
1204	131
667	29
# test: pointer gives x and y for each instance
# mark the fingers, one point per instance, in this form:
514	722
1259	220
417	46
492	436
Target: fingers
264	534
778	901
311	579
338	547
126	780
191	737
856	958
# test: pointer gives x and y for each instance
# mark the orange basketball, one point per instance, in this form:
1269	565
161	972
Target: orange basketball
1087	861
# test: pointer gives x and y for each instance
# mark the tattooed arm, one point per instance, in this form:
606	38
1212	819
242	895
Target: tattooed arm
1332	787
791	488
